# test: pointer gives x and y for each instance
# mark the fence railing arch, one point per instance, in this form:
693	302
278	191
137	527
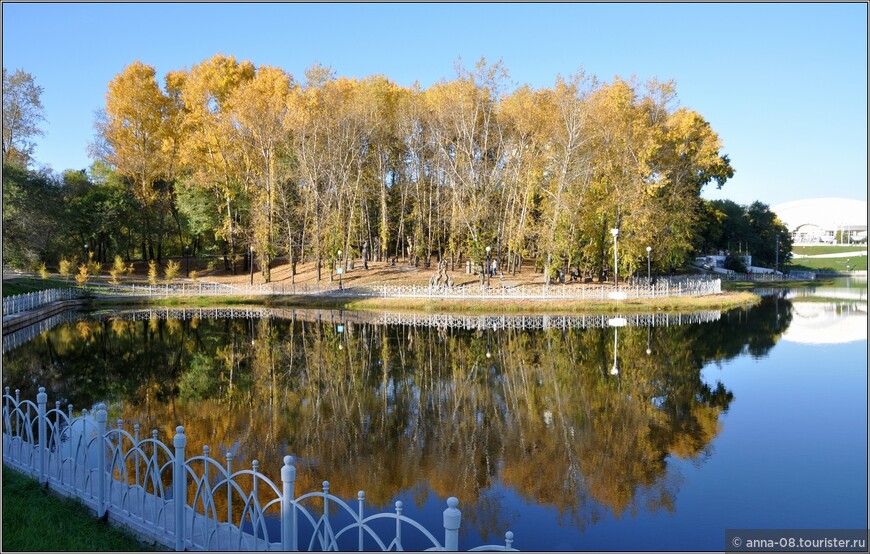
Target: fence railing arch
157	490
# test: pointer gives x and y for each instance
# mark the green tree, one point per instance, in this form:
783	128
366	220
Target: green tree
766	232
734	229
32	220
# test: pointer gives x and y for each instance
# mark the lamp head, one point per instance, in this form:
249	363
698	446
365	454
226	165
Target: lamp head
648	249
614	232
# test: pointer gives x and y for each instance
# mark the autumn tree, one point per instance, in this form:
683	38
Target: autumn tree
469	143
133	134
258	109
246	156
22	114
211	150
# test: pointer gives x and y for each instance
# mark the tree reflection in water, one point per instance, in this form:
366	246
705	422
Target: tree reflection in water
428	410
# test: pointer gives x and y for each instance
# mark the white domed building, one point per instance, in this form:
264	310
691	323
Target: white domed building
824	220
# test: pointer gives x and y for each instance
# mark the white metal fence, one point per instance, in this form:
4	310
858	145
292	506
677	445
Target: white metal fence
659	289
214	289
196	502
31	300
640	288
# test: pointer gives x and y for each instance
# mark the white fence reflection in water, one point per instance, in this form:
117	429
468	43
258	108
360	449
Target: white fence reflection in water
26	334
144	484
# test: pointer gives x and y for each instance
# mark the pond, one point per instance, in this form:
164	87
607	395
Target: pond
571	433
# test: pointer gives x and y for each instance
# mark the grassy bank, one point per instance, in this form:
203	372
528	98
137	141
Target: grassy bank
23	285
815	250
834	265
36	520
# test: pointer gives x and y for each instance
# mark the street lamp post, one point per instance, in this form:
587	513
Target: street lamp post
488	268
776	265
251	261
615	233
187	260
340	270
648	250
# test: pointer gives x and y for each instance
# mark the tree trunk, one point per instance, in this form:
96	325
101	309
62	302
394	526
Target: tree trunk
232	240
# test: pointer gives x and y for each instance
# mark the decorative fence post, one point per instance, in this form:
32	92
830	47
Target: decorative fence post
288	508
452	519
41	399
101	460
180	481
361	500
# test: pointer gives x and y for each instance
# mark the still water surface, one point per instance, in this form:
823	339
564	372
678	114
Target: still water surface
755	417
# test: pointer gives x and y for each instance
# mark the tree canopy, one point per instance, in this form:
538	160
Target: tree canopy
336	163
226	157
22	114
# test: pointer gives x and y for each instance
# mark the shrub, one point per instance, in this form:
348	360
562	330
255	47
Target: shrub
83	275
192	275
171	270
735	264
152	272
94	267
43	271
65	268
118	268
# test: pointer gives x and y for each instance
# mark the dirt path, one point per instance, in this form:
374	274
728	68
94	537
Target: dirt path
379	273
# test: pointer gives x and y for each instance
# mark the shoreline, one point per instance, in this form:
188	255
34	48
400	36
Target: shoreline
723	301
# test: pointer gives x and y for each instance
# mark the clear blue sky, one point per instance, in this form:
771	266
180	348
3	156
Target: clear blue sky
784	85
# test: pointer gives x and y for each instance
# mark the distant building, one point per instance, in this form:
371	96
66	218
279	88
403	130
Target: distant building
824	220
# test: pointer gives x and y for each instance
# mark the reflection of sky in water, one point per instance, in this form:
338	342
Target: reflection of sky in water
827	323
789	452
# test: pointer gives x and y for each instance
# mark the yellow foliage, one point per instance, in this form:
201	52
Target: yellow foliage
83	275
65	267
171	270
118	268
152	272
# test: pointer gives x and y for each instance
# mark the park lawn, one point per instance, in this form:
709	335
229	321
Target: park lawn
858	263
826	249
23	285
35	519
